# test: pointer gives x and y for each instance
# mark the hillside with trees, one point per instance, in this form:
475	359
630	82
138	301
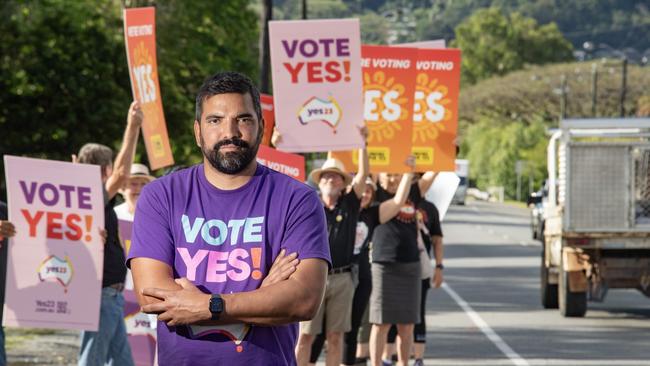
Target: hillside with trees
609	26
505	119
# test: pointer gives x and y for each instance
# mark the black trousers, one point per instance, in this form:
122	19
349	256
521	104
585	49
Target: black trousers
420	330
359	305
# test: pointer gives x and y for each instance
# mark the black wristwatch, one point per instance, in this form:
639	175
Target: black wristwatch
216	306
440	266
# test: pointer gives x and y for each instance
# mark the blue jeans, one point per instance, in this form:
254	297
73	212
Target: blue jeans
3	356
109	345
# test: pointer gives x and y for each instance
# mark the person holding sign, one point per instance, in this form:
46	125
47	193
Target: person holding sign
396	270
207	240
371	215
7	230
430	233
109	342
342	208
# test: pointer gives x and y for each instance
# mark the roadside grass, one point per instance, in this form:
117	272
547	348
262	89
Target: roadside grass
14	337
516	203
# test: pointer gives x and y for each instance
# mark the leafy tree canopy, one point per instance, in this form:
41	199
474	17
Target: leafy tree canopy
495	44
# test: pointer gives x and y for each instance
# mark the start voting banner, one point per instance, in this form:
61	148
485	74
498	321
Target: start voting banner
435	115
292	165
268	113
389	88
140	40
316	68
55	260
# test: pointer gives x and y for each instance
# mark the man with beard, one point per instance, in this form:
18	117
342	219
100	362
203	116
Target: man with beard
205	239
342	212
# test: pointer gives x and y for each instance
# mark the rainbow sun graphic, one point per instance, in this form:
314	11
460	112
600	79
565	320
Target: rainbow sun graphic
383	129
429	88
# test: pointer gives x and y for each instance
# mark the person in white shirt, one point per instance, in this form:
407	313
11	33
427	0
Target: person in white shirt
138	178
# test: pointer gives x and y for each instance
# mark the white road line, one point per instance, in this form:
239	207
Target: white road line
485	328
529	243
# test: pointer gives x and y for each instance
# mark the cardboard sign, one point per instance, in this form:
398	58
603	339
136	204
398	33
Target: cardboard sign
316	68
442	192
268	113
140	40
389	88
292	165
55	260
435	115
140	327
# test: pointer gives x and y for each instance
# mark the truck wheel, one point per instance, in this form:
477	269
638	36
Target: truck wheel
548	291
572	304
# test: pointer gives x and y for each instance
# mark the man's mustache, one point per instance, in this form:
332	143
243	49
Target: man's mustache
234	141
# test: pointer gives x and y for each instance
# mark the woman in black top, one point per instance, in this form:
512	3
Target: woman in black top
395	297
372	214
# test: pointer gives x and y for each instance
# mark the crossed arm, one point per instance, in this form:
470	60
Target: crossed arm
291	292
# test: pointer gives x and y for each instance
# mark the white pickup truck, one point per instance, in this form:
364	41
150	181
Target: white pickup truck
597	232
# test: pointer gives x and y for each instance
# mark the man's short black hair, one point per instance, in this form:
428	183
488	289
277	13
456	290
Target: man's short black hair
227	82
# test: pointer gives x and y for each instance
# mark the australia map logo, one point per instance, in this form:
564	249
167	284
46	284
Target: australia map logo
315	109
56	269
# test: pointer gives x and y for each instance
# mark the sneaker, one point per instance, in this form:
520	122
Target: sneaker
418	362
386	363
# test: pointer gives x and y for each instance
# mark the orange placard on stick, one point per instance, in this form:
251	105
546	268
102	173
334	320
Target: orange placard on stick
268	113
389	89
140	40
435	115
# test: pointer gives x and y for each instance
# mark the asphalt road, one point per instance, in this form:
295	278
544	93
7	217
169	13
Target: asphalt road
489	312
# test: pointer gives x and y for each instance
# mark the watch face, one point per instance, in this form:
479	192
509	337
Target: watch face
216	304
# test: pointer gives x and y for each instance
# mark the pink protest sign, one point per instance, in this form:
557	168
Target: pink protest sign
140	327
317	84
141	330
55	260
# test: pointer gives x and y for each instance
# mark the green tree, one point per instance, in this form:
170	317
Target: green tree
494	44
63	76
493	151
195	40
65	80
316	9
374	29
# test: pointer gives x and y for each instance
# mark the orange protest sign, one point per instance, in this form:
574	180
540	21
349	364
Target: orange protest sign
268	113
435	115
140	40
389	89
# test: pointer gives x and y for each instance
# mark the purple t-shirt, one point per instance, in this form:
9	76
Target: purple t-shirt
226	242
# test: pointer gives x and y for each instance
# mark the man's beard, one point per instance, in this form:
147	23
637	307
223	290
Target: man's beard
330	191
232	162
